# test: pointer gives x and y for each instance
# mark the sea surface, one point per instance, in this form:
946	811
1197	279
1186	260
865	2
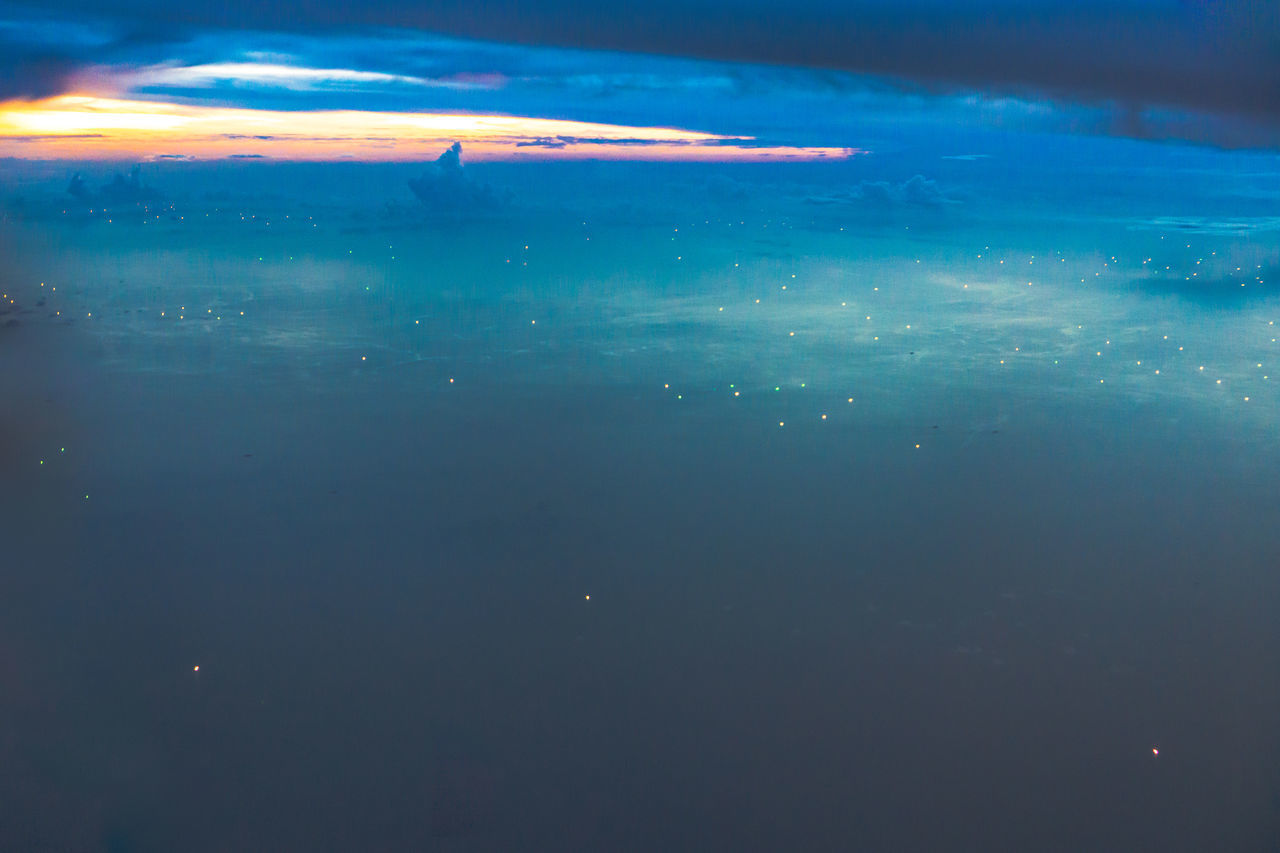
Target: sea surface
771	531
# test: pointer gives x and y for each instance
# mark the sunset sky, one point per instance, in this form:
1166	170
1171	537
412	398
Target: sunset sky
653	426
699	81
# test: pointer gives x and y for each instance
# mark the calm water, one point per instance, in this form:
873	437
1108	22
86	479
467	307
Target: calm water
631	540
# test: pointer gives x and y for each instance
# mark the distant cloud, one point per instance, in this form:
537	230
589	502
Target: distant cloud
129	190
447	190
121	189
917	190
542	142
79	187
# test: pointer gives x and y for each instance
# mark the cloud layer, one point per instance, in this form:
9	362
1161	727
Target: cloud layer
1212	55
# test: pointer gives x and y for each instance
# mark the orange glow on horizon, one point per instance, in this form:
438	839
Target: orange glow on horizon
88	127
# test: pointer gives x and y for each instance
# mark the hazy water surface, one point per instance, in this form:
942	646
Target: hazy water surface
743	533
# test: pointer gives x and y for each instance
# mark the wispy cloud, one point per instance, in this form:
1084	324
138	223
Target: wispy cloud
283	76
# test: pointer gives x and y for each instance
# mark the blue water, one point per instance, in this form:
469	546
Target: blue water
578	547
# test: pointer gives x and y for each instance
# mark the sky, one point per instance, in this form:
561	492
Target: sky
707	80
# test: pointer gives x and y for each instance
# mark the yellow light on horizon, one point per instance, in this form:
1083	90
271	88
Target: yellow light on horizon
74	115
83	126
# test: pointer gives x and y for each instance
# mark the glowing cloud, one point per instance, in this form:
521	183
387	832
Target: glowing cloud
86	127
277	75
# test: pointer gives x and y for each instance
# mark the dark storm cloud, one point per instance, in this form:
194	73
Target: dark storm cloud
41	50
446	190
28	73
1213	55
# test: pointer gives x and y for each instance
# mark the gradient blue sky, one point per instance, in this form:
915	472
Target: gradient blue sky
814	74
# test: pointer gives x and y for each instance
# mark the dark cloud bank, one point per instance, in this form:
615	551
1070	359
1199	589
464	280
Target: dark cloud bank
26	73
